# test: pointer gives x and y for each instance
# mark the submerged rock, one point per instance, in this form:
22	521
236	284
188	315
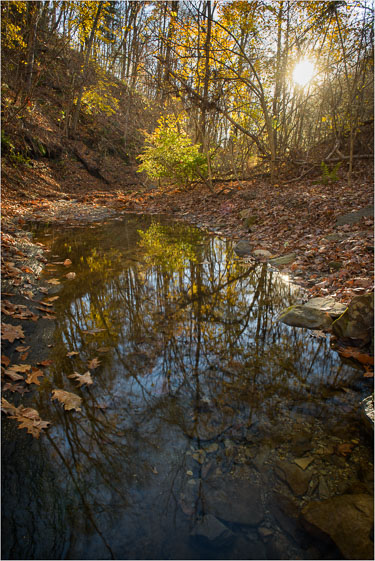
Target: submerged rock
233	500
367	413
243	248
358	320
262	253
297	479
347	520
304	316
212	530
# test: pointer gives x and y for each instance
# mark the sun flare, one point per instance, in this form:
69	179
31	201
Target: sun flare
303	72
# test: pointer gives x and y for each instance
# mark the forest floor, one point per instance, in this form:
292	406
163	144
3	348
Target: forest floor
333	255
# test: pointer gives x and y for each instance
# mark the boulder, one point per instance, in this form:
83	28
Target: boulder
355	217
347	520
233	500
327	304
262	253
211	530
283	260
304	316
358	320
243	248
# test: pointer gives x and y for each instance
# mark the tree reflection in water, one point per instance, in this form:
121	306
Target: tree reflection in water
190	353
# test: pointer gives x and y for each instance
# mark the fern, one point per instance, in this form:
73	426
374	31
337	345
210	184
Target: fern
329	175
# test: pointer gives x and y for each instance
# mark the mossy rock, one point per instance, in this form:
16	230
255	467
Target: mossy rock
303	316
357	322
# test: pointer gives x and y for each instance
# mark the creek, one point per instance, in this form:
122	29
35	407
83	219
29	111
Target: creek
200	405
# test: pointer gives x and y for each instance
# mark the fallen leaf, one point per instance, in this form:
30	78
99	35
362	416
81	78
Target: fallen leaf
22	349
94	363
15	388
7	407
67	263
53	281
24	356
82	378
103	350
5	360
11	332
71	276
19	367
93	331
72	353
28	418
32	378
47	362
345	448
352	352
69	400
51	299
13	375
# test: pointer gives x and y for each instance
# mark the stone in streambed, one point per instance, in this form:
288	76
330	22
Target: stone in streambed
326	304
262	253
243	248
283	260
211	530
303	316
297	480
357	322
347	520
233	500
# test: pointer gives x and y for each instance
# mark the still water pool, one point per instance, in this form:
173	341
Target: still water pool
186	443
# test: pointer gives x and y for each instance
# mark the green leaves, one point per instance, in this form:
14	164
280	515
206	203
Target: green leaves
170	153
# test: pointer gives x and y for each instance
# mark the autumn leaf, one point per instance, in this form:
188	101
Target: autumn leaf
19	367
345	448
72	353
5	360
81	378
71	276
69	400
352	352
53	281
47	362
13	375
7	407
51	299
22	349
32	378
67	263
94	363
11	332
15	388
27	417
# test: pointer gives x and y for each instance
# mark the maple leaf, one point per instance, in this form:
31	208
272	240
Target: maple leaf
94	363
11	332
32	378
81	378
69	400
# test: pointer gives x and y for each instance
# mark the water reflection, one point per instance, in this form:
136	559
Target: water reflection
196	379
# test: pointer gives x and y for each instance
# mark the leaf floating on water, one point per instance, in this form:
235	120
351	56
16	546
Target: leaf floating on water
15	388
352	352
53	281
345	448
11	332
94	363
82	378
20	367
51	299
71	276
5	360
72	353
47	362
68	399
32	378
67	263
7	407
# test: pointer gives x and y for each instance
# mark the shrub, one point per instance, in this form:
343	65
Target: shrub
170	153
329	174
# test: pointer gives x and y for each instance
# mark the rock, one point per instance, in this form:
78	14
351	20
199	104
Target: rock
265	533
336	265
250	221
297	480
262	253
286	513
248	549
212	530
283	260
345	519
247	213
303	463
326	304
357	322
260	458
248	196
367	413
243	248
323	489
333	237
355	217
233	500
304	316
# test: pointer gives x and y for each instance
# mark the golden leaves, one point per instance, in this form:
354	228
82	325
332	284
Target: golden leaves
68	399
